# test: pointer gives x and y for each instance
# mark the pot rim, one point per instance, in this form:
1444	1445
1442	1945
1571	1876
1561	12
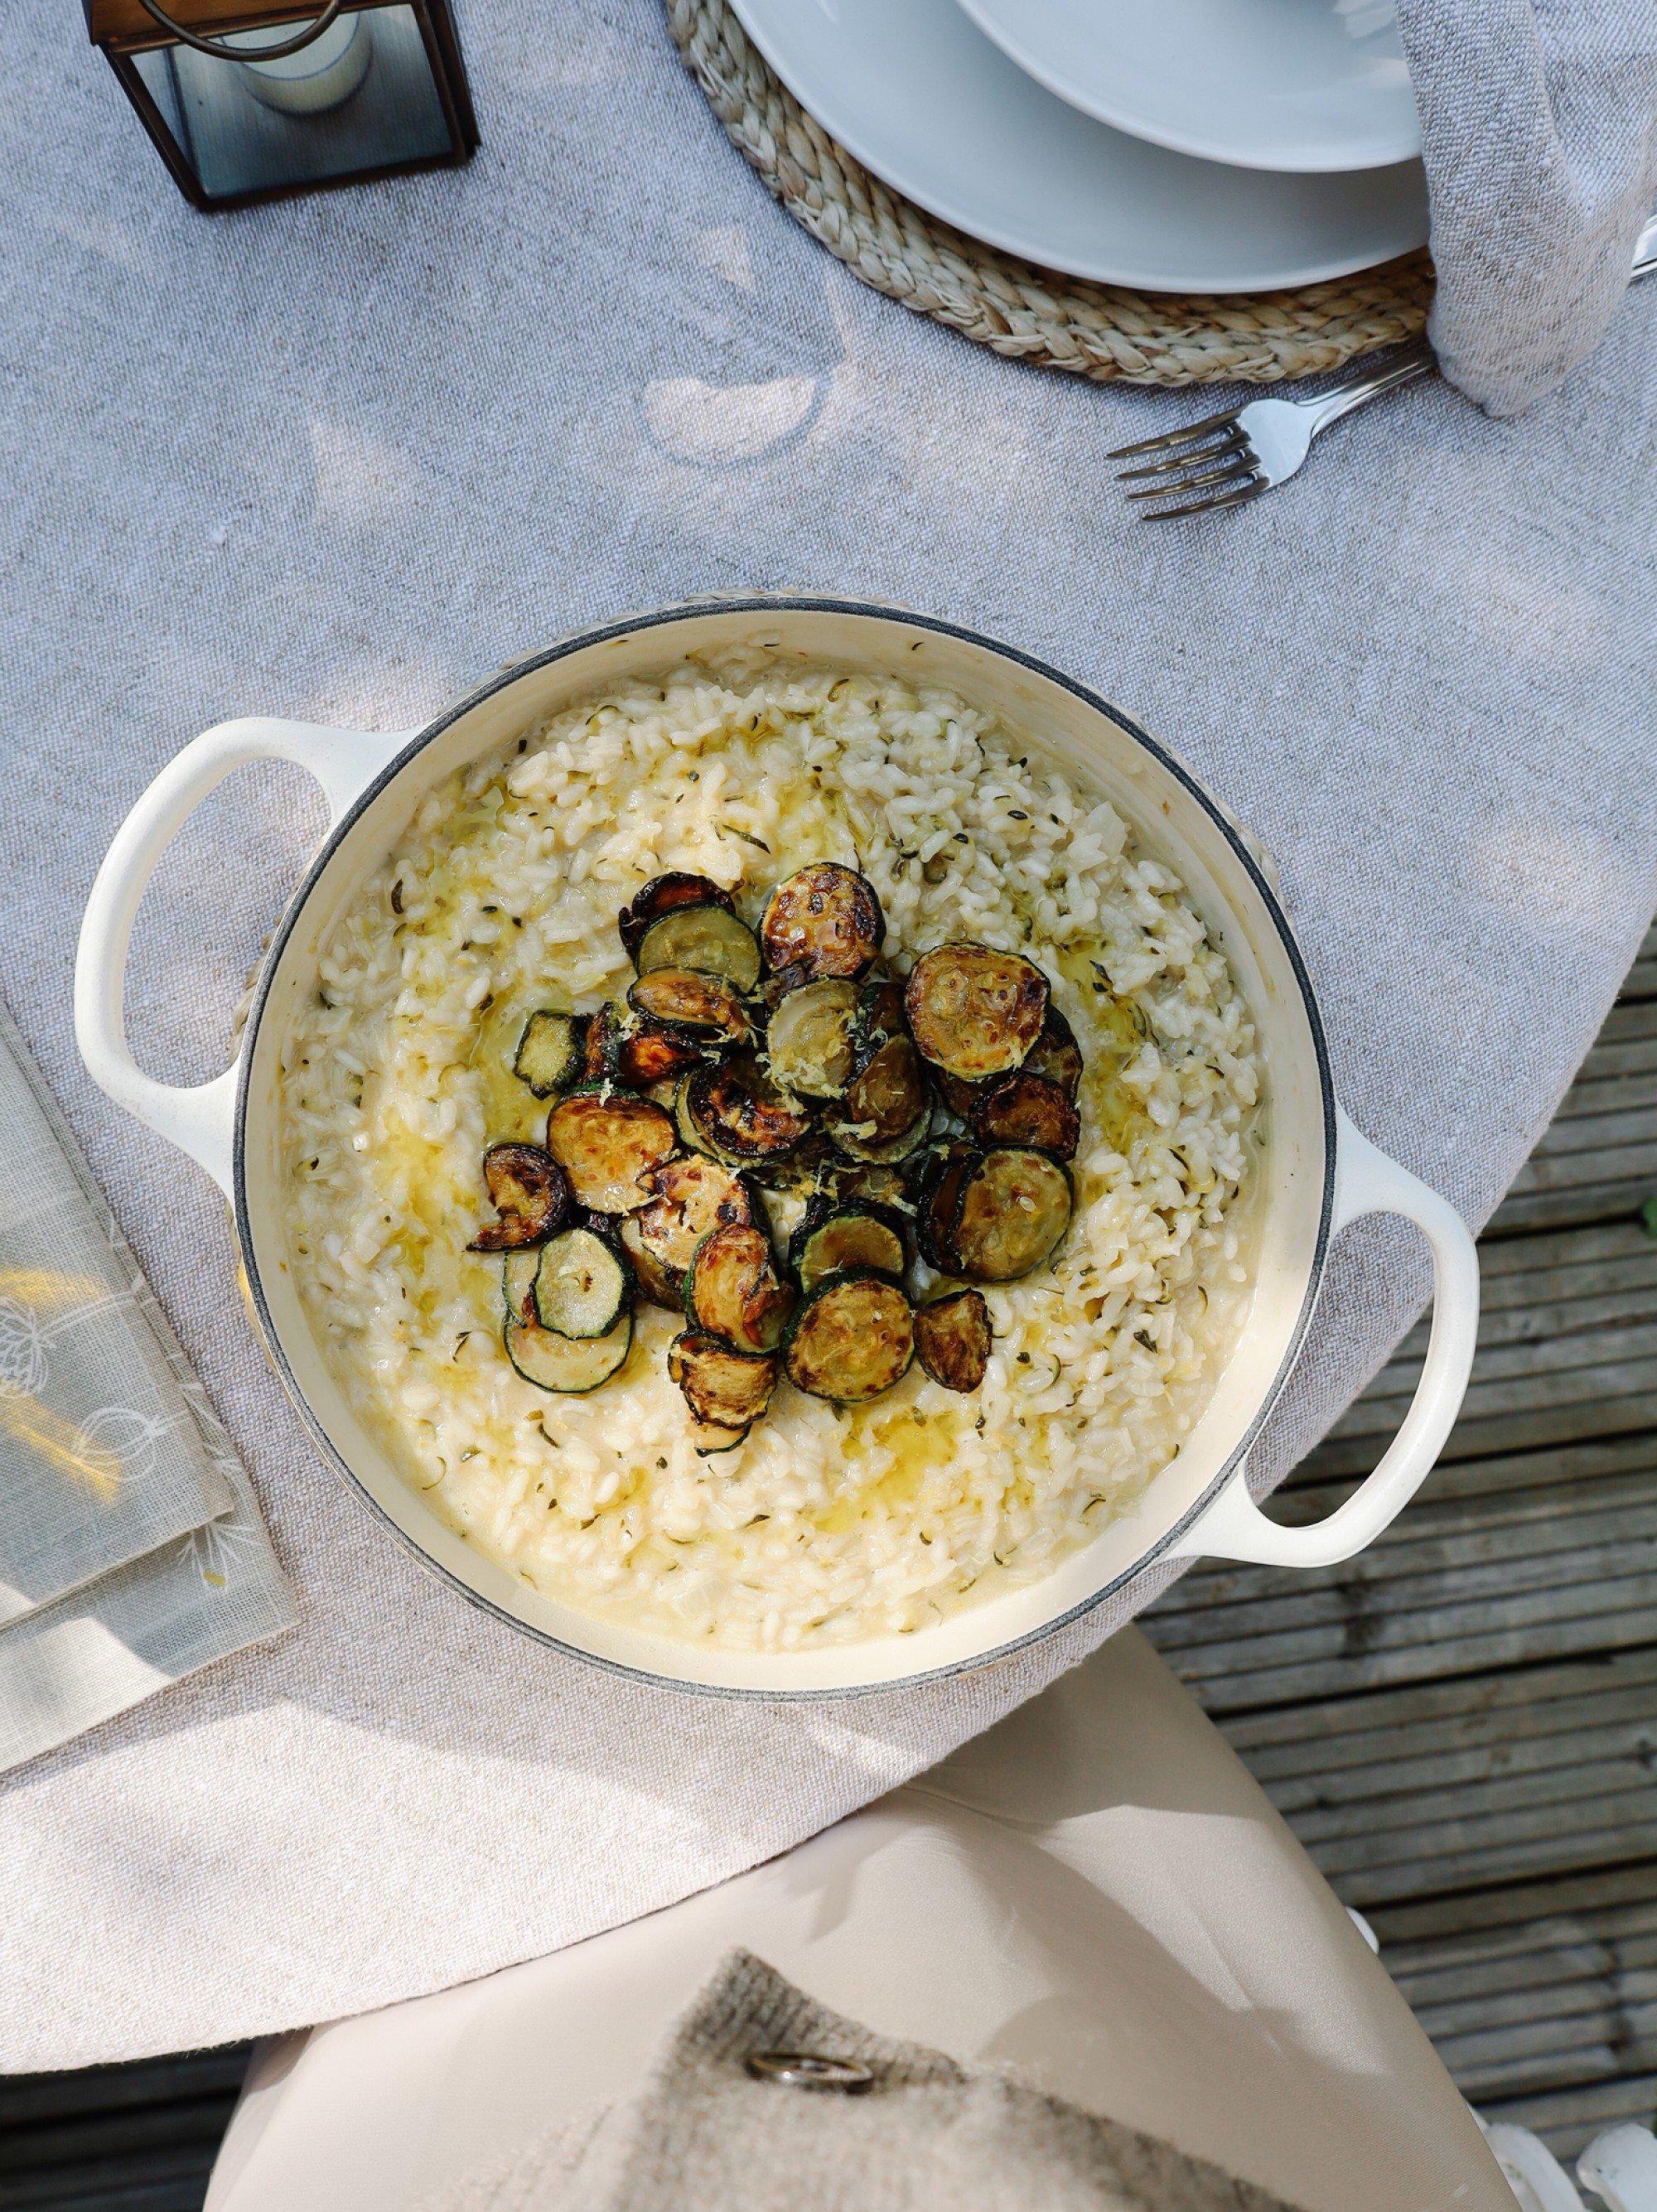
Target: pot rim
760	603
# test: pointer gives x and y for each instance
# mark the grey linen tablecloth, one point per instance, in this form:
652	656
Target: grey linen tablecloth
339	457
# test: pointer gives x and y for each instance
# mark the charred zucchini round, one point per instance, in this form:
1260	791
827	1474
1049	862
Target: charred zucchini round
1014	1207
1055	1056
665	895
551	1052
570	1365
733	1290
1023	1109
853	1338
529	1191
724	1387
974	1013
517	1284
887	1107
684	999
602	1040
605	1143
738	1114
844	1239
709	939
825	919
810	1045
691	1197
879	1014
656	1283
653	1052
580	1283
940	1204
953	1338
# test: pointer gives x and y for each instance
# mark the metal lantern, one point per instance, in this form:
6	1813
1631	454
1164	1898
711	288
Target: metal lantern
247	103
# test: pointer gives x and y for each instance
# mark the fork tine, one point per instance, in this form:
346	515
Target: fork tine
1200	506
1186	459
1180	437
1243	464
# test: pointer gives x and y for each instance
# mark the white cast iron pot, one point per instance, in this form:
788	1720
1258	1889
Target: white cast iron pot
1318	1173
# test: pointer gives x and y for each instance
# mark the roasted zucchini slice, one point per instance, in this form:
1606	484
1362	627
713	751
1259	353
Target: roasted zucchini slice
739	1115
825	919
709	939
686	1000
605	1142
879	1015
1021	1108
665	895
569	1364
853	1338
602	1040
1055	1056
724	1388
551	1052
974	1013
886	1110
580	1285
953	1338
844	1239
874	1187
529	1191
517	1284
938	1203
655	1283
652	1053
692	1196
732	1290
810	1045
960	1097
1014	1207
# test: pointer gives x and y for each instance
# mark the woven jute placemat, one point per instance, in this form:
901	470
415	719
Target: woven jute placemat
1100	331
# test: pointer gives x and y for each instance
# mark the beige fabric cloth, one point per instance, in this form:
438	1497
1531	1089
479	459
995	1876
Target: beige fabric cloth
1095	1898
132	1550
701	2133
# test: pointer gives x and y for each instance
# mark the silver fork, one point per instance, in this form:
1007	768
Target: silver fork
1249	450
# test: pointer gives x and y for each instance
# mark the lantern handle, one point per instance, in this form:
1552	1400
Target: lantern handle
153	9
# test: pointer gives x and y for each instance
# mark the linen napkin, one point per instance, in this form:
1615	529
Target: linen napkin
702	2134
130	1547
1538	128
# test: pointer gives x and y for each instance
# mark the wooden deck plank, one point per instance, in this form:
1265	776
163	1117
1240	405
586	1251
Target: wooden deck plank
1461	1724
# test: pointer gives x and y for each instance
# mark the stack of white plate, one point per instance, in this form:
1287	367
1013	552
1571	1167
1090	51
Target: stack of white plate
1172	145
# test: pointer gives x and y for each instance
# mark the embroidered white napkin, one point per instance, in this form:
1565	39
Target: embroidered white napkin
1539	126
130	1551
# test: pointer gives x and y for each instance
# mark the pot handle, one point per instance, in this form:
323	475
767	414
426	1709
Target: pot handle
1234	1527
199	1118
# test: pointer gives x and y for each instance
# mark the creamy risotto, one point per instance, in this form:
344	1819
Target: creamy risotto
826	1522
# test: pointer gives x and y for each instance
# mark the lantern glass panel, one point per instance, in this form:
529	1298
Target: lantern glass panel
362	97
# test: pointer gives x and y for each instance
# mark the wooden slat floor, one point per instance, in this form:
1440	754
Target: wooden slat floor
1461	1725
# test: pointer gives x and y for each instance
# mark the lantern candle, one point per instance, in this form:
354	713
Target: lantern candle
247	101
320	75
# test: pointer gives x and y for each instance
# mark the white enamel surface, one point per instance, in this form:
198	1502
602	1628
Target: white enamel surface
919	95
1311	85
1286	1206
1233	1527
198	1119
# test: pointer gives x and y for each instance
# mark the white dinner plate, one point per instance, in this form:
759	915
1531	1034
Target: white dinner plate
925	101
1269	84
